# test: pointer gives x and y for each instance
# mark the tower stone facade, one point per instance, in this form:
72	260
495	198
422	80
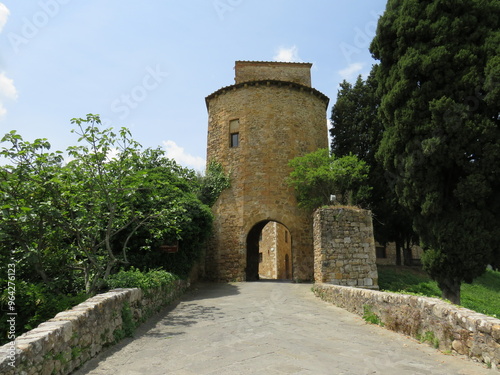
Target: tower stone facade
269	116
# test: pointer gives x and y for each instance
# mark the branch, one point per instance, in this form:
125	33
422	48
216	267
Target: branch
124	252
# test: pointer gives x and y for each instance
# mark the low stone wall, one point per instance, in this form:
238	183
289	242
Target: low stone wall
446	326
72	337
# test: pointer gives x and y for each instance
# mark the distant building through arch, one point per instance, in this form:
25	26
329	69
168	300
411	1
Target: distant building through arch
269	116
269	249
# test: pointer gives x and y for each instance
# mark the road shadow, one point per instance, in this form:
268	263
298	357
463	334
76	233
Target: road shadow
170	320
206	290
273	281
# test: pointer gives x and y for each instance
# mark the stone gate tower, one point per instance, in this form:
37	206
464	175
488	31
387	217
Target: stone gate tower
269	116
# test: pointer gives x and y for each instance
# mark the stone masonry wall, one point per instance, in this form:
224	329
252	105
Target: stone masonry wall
449	327
277	121
284	253
269	250
391	257
344	247
247	71
72	337
276	252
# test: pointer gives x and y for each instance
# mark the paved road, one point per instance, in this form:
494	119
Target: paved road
268	328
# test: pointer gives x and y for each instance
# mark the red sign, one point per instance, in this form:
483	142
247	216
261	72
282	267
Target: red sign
169	248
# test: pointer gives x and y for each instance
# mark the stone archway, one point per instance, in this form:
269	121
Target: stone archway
269	251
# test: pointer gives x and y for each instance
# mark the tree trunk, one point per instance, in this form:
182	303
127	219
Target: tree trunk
398	253
495	263
86	277
41	272
407	255
450	289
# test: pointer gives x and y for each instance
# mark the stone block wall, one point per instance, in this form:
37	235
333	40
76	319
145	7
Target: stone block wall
275	247
449	327
391	257
344	247
247	71
268	251
72	337
284	253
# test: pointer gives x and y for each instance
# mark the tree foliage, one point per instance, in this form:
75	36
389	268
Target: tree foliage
213	183
355	126
110	200
438	78
317	176
356	129
30	221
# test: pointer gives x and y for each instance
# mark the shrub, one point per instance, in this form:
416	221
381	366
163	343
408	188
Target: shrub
134	278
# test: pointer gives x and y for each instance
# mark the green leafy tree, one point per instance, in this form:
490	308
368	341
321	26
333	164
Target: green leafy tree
438	78
190	220
356	129
32	236
30	220
88	214
317	176
101	201
134	194
213	183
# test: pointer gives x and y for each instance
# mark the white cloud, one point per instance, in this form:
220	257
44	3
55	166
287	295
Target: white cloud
7	91
329	126
351	71
4	14
180	156
7	88
287	54
3	111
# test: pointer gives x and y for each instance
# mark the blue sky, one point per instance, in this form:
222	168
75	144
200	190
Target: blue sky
149	65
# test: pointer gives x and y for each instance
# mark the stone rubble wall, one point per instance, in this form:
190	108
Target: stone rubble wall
344	247
449	327
275	247
72	337
269	250
247	71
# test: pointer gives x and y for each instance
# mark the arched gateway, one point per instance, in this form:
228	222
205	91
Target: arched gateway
268	117
269	249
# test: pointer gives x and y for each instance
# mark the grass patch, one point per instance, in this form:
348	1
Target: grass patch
429	337
483	295
370	317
